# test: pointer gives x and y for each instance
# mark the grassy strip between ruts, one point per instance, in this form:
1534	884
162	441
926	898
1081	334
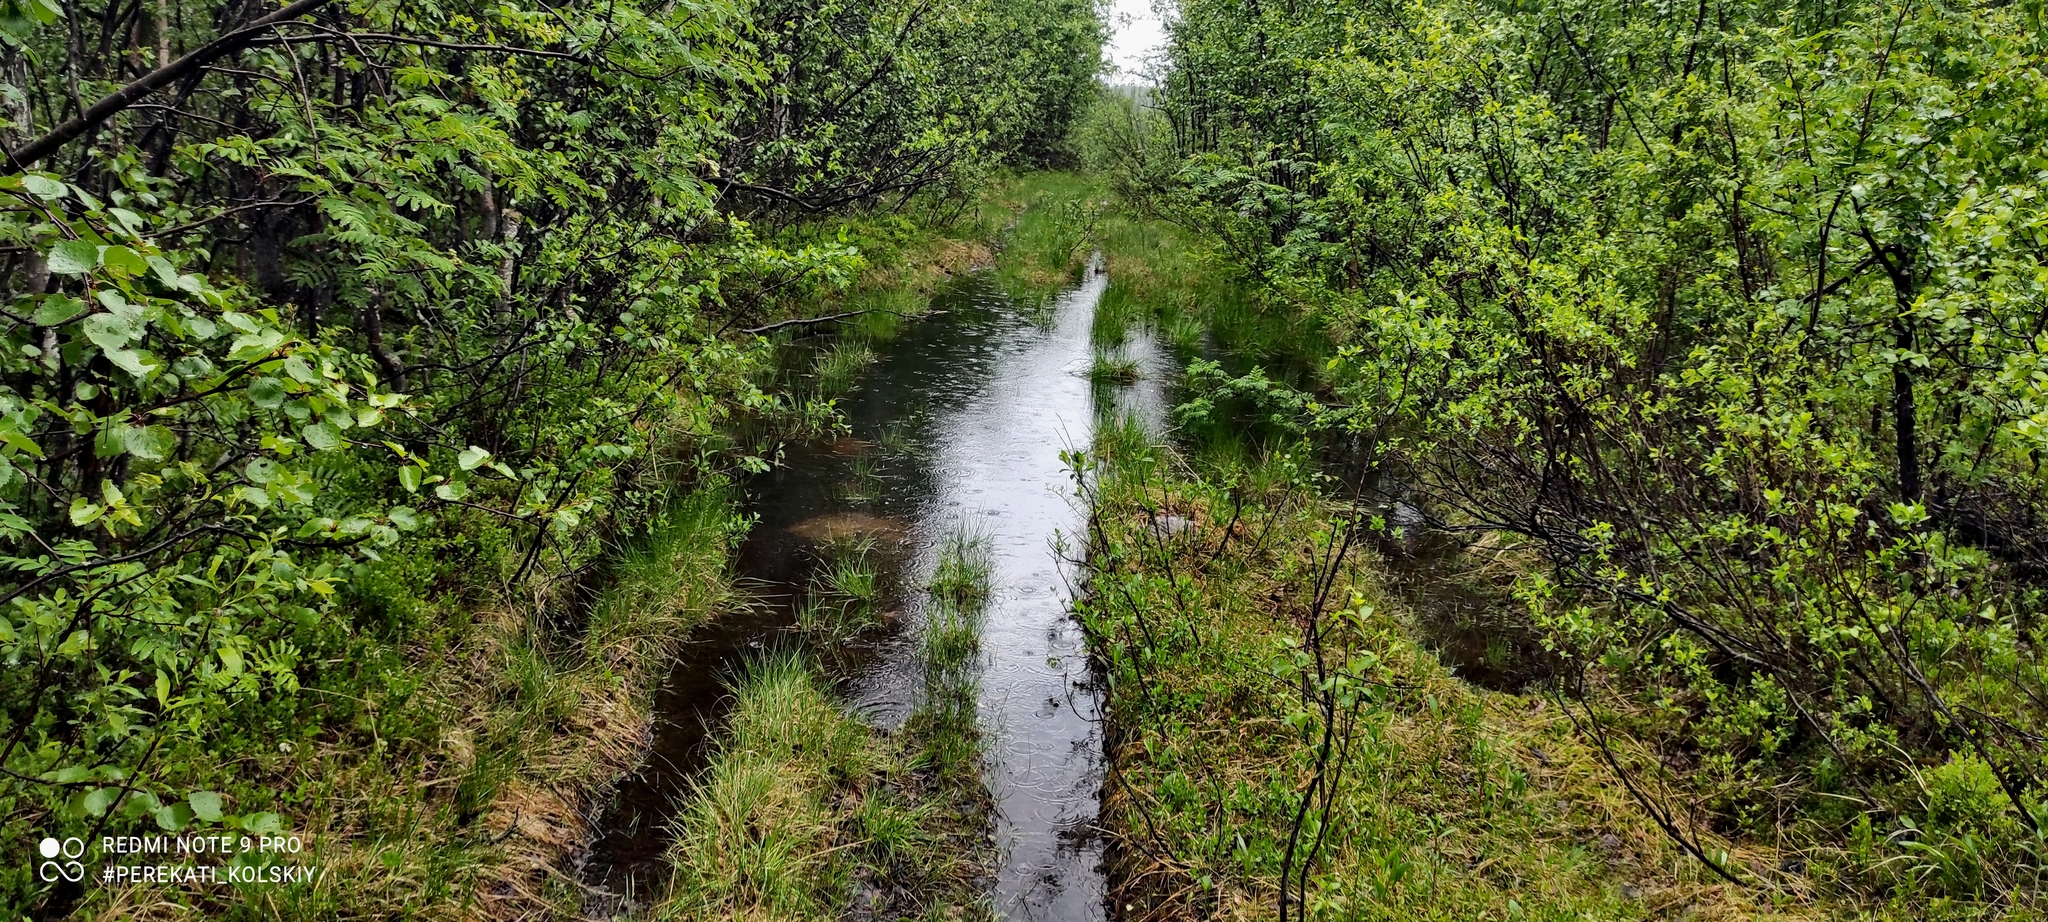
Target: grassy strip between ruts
1437	800
806	813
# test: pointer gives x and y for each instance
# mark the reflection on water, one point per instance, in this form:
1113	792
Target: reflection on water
960	423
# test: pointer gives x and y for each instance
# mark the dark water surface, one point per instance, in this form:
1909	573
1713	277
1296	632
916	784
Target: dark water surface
960	422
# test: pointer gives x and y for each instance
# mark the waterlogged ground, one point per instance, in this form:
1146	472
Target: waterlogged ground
958	425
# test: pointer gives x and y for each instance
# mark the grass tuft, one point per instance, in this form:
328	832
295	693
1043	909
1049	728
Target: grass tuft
838	365
803	807
965	572
1114	366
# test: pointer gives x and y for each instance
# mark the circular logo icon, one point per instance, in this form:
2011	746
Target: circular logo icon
50	870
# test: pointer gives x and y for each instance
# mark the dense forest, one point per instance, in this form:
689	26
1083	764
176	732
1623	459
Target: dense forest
1712	334
1600	472
332	328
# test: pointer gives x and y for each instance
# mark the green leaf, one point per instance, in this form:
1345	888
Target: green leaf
267	393
56	309
74	257
472	458
253	346
173	817
109	442
110	331
43	187
404	517
84	513
322	436
262	822
205	805
21	443
301	372
133	361
452	491
260	470
100	800
166	274
409	478
124	260
150	443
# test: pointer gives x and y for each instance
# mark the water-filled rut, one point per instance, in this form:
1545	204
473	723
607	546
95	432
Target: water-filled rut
958	425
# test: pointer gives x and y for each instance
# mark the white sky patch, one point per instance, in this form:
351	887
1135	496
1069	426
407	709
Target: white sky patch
1136	33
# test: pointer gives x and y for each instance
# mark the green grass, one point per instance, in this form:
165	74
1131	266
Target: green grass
1047	245
1118	313
1166	280
1120	438
946	720
845	593
863	481
1446	801
1184	332
1114	366
839	363
964	573
899	439
851	572
950	640
756	839
803	806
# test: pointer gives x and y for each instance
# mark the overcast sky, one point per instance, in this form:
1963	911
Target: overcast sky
1136	33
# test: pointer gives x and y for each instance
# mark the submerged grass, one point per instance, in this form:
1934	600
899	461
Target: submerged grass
838	364
845	595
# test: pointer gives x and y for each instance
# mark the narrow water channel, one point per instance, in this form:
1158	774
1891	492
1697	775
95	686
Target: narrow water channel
959	423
